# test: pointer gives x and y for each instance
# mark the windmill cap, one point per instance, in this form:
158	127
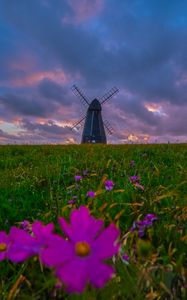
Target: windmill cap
95	105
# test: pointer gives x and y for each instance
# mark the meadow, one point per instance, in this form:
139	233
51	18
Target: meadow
40	183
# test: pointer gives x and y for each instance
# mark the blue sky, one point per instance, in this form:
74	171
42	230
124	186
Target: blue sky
140	46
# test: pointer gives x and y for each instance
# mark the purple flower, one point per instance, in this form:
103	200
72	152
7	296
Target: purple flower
151	217
78	177
142	225
125	258
26	225
24	245
109	185
79	258
72	201
132	163
4	244
134	179
90	194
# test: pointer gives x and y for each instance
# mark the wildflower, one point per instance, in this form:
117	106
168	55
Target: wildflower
109	185
151	217
90	194
125	258
78	177
24	245
79	258
25	224
72	201
134	179
142	225
4	243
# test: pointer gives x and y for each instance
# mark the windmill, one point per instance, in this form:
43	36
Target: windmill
94	126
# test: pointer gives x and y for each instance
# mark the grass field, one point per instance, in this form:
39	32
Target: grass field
37	183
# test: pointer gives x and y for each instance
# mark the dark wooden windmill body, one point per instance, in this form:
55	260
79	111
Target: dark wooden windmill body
94	126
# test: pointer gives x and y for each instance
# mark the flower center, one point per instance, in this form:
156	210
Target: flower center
3	247
82	249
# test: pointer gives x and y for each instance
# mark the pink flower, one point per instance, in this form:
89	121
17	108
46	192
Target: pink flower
109	185
79	258
90	194
4	244
24	245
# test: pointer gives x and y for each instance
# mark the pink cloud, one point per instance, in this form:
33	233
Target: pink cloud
83	10
57	75
155	108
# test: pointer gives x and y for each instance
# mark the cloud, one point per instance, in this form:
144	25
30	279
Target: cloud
83	10
26	106
52	90
139	46
27	80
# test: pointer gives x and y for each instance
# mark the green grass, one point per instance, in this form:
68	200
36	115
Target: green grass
36	182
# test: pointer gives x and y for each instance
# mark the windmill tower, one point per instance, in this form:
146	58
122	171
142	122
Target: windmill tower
94	127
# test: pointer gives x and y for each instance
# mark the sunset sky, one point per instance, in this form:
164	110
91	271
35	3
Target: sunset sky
139	46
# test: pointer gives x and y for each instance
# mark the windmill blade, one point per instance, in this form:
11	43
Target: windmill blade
109	95
80	95
77	123
108	127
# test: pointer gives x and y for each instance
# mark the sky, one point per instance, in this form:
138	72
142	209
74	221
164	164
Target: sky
138	46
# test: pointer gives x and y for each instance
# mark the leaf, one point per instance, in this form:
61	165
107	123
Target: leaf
113	205
136	204
108	163
119	215
99	189
103	207
184	238
170	194
70	187
47	214
152	295
65	208
156	170
98	192
119	191
15	287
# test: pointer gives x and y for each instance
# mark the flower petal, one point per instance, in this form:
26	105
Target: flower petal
83	227
74	275
42	230
22	245
105	245
56	252
100	273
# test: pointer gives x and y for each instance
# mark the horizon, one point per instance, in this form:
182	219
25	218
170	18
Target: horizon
139	46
